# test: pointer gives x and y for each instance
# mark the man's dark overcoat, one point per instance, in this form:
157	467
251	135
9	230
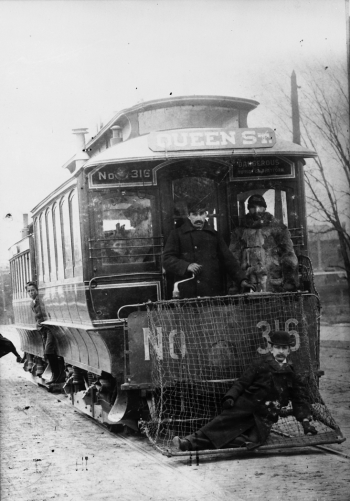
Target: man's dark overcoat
187	245
265	381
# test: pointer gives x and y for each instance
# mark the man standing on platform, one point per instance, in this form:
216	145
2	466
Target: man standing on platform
196	248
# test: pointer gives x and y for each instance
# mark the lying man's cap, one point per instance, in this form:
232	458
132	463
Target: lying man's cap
281	338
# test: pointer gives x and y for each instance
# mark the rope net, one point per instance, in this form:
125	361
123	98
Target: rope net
198	347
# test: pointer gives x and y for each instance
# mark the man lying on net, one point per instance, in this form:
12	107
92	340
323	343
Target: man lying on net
253	404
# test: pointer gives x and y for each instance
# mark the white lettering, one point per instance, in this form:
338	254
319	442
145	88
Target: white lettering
195	136
111	175
102	175
265	137
150	336
293	332
182	346
184	139
210	138
163	140
225	137
248	137
267	329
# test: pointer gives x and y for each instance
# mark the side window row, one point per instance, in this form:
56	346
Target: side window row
20	270
57	239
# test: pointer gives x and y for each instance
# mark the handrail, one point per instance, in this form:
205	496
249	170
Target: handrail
248	296
176	292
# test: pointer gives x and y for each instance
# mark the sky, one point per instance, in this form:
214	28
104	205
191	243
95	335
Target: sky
69	64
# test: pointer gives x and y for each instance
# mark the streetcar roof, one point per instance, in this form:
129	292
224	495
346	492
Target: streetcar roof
173	102
137	149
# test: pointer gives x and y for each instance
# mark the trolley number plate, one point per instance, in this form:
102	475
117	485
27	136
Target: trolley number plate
117	174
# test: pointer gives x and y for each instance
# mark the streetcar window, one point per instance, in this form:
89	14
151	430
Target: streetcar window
66	237
127	229
51	245
20	274
58	240
44	249
39	253
276	202
75	234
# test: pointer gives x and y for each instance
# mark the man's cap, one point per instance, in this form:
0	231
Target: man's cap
196	205
256	200
281	338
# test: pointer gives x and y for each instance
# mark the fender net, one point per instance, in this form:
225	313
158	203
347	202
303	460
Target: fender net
199	347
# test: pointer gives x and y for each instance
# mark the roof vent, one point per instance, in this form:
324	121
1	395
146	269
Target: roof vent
80	138
81	156
117	135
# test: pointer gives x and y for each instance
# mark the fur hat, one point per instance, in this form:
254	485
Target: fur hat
256	200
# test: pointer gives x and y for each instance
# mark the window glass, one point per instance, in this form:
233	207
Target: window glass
38	249
13	282
276	201
127	229
24	272
58	241
28	275
23	278
19	261
51	245
66	237
44	248
16	278
75	231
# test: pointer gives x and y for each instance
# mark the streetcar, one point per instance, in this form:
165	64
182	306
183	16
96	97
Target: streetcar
95	250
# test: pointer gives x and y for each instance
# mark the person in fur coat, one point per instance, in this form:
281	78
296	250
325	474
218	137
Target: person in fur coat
265	250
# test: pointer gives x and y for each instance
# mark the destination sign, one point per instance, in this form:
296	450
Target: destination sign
211	139
250	168
128	175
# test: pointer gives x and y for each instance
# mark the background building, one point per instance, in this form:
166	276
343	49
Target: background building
6	310
330	276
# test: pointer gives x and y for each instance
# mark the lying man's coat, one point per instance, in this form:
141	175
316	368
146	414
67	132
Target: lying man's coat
258	396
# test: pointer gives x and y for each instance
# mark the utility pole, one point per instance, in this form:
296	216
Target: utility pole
297	140
347	20
295	109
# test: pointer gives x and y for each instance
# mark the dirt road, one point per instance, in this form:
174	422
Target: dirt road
49	451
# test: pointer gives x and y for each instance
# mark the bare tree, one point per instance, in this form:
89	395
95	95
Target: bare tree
324	127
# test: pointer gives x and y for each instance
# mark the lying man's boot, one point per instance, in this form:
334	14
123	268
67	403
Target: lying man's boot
308	428
182	444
